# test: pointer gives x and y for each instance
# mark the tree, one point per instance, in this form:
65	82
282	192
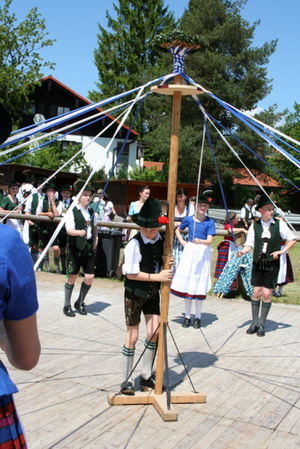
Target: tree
125	53
20	61
291	128
53	156
230	67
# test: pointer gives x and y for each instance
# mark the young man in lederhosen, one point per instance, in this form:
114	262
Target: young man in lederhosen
81	225
264	237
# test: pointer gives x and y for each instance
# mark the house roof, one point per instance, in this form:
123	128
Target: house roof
246	180
158	165
80	97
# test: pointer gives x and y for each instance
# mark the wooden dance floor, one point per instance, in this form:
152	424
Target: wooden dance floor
252	384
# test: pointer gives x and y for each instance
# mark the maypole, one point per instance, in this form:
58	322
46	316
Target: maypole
178	44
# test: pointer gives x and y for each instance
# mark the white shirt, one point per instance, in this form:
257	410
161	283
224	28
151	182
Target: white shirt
70	221
285	232
243	212
39	208
133	255
28	201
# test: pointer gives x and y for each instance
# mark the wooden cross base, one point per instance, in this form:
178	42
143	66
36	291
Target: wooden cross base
159	401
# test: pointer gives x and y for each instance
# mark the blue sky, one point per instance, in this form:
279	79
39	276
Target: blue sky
74	24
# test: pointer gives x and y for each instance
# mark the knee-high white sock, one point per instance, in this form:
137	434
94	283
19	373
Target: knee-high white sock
128	357
188	307
148	358
198	308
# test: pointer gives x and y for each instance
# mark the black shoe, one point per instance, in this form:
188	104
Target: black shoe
261	331
186	322
127	388
252	329
68	311
197	323
147	383
80	308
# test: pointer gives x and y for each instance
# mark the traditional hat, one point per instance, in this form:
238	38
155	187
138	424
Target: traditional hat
41	179
149	214
66	187
13	184
263	200
49	185
80	183
204	199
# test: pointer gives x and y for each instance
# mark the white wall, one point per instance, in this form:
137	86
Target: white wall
96	154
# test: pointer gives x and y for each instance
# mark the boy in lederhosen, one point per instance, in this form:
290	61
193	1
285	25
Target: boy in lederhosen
31	205
66	193
51	208
81	225
142	264
264	237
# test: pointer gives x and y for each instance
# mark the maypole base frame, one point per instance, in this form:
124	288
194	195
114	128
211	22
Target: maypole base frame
159	401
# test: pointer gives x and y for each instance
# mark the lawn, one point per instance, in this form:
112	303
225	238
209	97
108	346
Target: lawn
291	292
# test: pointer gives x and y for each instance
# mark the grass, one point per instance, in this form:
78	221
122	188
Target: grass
291	292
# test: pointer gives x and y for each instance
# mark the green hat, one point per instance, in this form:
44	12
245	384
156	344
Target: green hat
149	214
66	187
13	184
80	183
204	199
49	185
41	179
263	200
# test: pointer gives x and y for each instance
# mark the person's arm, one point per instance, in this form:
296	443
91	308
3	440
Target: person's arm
288	246
95	233
207	241
162	276
20	342
179	236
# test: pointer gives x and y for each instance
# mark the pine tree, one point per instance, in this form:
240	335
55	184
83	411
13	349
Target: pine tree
231	68
124	51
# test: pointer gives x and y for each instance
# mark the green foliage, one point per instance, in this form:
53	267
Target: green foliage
179	37
232	69
291	128
124	51
20	62
148	174
52	156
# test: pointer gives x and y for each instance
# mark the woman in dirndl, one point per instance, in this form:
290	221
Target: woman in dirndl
182	209
192	276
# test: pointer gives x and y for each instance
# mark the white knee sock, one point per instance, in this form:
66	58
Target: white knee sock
198	308
128	356
148	358
188	307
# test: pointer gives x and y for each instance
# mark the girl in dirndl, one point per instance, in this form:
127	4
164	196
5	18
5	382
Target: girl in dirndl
182	209
227	246
192	277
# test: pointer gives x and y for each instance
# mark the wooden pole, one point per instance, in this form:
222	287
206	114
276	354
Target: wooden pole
169	236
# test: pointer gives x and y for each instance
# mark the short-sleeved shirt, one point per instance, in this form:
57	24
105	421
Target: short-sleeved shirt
197	229
18	295
284	230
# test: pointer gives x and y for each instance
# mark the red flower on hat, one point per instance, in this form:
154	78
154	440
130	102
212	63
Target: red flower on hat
163	220
209	199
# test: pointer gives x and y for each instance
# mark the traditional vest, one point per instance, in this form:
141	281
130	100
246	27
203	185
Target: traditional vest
46	204
274	242
151	255
80	223
34	203
248	214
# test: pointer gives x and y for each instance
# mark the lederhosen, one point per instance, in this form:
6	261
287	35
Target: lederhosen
63	236
34	229
144	296
45	229
265	267
80	250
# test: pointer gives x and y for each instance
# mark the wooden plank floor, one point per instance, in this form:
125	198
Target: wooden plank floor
252	384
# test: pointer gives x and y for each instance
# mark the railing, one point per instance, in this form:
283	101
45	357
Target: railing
112	224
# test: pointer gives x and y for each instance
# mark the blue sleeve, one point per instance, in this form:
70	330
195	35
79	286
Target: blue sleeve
211	230
131	209
18	295
185	223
